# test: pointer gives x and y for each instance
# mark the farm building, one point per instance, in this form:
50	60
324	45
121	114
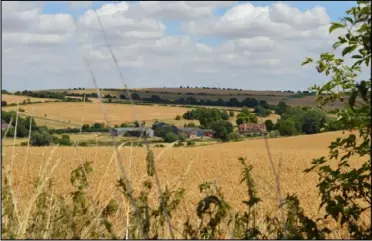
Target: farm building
132	131
251	128
158	124
192	133
4	125
208	133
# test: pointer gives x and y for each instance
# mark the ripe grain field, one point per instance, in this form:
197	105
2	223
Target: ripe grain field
117	113
187	167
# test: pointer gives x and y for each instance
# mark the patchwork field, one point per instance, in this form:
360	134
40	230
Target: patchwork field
92	112
18	98
185	167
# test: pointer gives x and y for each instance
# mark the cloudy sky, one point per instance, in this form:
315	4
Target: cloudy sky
249	45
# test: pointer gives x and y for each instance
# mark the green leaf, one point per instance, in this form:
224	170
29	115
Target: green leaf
308	60
357	56
349	49
336	26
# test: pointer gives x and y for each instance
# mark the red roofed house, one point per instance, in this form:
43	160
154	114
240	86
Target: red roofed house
251	128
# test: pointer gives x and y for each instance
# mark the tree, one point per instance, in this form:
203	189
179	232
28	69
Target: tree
85	127
287	127
135	96
65	140
224	115
281	108
178	117
123	97
243	117
170	137
222	129
3	103
353	183
313	121
231	113
269	125
41	138
260	111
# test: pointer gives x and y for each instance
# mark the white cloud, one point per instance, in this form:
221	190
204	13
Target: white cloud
254	47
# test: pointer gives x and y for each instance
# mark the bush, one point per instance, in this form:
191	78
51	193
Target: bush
178	144
3	103
83	143
182	136
170	137
178	117
190	143
65	140
21	110
269	125
159	145
41	138
234	136
287	127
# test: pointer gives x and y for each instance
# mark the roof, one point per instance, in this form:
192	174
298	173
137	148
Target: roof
187	129
252	127
131	129
207	130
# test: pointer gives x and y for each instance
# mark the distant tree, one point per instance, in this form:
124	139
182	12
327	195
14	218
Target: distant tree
269	125
123	97
224	115
41	138
261	111
231	113
135	96
287	127
189	125
222	129
109	100
181	86
281	108
313	121
65	140
3	103
170	137
178	117
85	127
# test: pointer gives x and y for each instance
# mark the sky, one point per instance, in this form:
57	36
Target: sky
254	45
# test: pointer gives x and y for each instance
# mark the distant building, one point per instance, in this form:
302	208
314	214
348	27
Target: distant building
191	132
159	124
251	128
132	131
208	133
4	125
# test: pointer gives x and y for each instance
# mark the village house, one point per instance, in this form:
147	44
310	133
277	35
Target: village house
252	128
191	132
208	133
132	131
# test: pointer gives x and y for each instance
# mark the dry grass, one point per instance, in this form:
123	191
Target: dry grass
215	162
118	113
19	98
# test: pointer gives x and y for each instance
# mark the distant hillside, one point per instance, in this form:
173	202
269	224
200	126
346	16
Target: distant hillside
212	94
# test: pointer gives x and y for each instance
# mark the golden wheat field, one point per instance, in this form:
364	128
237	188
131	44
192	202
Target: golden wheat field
18	98
187	168
91	112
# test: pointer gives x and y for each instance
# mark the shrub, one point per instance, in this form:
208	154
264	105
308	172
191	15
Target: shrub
178	117
41	138
83	143
22	110
65	140
190	143
3	103
170	137
234	136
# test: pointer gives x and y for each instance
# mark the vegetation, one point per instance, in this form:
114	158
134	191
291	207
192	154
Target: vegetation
344	188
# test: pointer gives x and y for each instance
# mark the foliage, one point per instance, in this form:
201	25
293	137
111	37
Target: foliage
346	191
245	117
261	111
170	137
41	138
269	125
287	127
3	103
178	117
281	108
234	136
222	129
